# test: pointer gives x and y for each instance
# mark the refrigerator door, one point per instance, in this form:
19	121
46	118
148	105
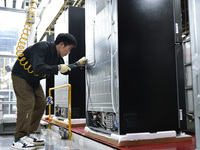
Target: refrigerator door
177	21
71	21
147	66
181	86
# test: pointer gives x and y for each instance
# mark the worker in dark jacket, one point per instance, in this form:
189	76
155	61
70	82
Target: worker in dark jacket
45	59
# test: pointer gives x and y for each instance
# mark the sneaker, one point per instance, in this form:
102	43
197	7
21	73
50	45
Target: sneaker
31	138
22	145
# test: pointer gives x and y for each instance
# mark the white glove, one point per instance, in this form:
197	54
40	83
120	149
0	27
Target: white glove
64	68
82	61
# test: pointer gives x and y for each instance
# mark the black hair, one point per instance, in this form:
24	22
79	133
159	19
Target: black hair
66	38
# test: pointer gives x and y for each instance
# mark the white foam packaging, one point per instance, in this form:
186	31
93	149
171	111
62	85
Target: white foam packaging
136	136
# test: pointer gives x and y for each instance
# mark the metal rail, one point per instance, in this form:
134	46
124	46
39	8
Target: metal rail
56	17
69	109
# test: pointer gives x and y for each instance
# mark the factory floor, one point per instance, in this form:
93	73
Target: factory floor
52	142
79	142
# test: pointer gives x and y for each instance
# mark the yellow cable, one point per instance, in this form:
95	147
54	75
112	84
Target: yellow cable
23	39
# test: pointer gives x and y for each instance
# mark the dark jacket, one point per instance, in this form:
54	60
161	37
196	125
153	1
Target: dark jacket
44	60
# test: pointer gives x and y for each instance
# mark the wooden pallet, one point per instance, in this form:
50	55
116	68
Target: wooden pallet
62	125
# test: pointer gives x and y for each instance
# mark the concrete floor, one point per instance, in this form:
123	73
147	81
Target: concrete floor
52	142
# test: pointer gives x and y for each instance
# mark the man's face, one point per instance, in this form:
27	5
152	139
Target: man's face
65	50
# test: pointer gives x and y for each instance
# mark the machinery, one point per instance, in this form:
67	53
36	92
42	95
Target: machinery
135	77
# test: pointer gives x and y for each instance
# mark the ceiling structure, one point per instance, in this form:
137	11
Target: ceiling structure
24	4
17	5
9	36
14	5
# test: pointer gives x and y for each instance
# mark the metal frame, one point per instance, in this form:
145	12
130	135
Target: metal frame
8	55
69	113
13	9
194	20
9	90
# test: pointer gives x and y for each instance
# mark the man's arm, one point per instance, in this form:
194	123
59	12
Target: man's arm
79	64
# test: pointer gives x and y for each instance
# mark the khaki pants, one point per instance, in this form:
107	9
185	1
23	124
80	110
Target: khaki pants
31	104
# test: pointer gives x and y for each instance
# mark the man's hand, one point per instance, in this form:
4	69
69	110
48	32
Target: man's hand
64	68
82	61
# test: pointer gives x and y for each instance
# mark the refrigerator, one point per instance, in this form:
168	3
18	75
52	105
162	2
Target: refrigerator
135	72
72	21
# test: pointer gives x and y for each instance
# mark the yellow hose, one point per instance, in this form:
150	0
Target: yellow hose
23	39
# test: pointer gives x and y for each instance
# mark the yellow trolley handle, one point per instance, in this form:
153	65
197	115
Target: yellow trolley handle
69	109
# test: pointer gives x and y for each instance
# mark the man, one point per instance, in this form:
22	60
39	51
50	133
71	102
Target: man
45	59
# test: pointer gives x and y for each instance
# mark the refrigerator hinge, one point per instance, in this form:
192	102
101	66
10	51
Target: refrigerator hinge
180	114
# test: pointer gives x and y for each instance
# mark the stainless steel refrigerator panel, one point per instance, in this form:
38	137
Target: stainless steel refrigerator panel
90	11
89	28
188	75
187	52
190	103
90	46
113	40
101	51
